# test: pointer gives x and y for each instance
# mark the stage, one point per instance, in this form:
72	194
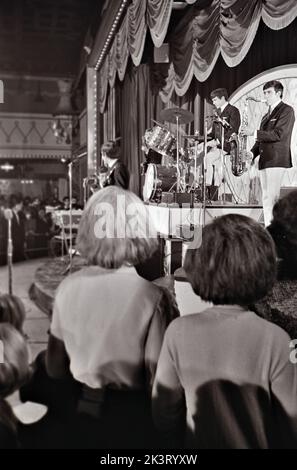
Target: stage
169	218
47	279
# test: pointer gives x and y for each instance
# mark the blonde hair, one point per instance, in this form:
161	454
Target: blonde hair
116	229
14	365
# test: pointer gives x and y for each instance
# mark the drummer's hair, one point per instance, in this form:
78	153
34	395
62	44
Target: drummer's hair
235	263
111	149
219	93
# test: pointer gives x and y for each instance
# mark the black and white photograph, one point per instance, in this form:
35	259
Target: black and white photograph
148	228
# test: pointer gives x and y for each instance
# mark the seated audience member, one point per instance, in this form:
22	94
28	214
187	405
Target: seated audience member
224	378
30	230
108	323
43	232
12	311
280	305
14	370
75	204
65	204
118	173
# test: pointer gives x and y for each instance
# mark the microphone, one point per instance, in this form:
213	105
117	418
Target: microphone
255	99
8	214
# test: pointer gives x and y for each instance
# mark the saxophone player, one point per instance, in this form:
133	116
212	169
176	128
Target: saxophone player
273	145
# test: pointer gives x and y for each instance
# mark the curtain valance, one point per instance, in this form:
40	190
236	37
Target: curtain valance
226	27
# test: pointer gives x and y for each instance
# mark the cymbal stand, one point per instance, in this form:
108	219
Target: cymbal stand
223	162
195	183
70	173
178	185
204	168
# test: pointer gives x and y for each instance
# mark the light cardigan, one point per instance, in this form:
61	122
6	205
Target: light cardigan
112	323
224	380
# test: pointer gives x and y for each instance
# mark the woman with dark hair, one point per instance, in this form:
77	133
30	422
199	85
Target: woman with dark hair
108	323
280	305
224	379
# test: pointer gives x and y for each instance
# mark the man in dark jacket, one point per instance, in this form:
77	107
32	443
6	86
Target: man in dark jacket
117	173
228	117
226	123
273	144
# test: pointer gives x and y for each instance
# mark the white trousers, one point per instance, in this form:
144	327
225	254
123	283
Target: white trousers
271	180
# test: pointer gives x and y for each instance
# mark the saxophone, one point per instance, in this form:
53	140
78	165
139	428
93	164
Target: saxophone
239	153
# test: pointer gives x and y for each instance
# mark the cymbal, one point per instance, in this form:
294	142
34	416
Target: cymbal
171	115
199	138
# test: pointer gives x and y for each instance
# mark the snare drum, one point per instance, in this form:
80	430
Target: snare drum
158	177
160	139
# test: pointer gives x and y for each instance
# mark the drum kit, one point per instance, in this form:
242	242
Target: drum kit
180	168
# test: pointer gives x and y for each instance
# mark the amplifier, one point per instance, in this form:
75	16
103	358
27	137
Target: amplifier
183	198
167	198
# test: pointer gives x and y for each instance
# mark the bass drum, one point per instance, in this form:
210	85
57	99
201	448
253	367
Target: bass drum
158	177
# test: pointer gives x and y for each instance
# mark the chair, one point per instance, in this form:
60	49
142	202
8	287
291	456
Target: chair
62	220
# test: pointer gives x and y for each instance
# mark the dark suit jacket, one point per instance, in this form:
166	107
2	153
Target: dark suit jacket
231	115
274	138
119	176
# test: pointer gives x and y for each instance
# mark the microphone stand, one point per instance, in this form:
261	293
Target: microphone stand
9	257
70	169
223	160
204	172
178	186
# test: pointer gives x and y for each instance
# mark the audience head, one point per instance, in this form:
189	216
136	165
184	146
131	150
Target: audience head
235	264
12	311
14	365
16	203
283	230
116	229
66	202
36	201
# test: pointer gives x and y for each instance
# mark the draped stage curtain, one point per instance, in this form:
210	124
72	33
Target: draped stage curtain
215	44
209	29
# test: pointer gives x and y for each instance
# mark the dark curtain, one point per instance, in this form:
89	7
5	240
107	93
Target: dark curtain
136	107
270	49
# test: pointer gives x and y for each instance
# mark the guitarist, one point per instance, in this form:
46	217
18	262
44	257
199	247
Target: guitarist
117	173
